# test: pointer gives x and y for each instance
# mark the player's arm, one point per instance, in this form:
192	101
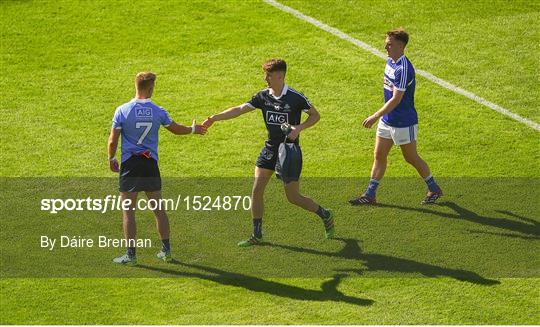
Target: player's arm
390	105
312	119
228	114
112	147
179	129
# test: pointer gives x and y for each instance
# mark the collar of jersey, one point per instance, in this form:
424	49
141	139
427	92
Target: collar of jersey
142	100
283	92
395	62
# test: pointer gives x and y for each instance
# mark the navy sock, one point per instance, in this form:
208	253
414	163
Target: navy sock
431	184
323	213
131	251
165	245
372	188
257	227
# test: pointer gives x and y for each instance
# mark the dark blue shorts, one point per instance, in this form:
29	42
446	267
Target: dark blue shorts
287	163
139	174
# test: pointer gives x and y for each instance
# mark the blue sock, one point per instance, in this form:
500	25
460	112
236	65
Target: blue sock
165	245
372	188
131	251
257	227
431	184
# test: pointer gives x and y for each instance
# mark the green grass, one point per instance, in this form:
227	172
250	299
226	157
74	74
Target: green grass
183	301
485	47
75	64
66	65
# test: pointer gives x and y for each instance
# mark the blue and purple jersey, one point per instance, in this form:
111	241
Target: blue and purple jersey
140	120
400	75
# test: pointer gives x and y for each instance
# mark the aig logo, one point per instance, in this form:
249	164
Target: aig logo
389	71
142	112
276	118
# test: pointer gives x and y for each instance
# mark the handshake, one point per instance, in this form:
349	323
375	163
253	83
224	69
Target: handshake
201	129
198	129
208	122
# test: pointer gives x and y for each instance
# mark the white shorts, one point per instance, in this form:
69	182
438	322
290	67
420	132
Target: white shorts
400	135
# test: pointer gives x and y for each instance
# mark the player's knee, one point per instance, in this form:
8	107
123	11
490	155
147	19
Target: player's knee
293	197
412	159
295	201
409	160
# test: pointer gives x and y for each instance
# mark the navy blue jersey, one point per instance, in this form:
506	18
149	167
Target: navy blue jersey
400	75
276	110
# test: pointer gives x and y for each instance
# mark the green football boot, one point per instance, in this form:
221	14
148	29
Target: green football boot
250	242
329	226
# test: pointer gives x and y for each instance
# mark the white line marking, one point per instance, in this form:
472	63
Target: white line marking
422	73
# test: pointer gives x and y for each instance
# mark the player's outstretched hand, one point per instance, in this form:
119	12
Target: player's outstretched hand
293	135
113	164
208	122
368	122
198	129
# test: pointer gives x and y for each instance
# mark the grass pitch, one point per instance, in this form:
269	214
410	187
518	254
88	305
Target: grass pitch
66	66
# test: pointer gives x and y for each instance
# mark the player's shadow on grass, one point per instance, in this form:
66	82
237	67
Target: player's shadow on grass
328	292
380	262
504	234
529	228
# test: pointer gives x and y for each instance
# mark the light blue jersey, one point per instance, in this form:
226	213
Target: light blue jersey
400	75
140	120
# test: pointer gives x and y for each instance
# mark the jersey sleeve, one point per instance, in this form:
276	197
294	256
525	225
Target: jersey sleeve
304	103
164	117
400	80
118	119
256	101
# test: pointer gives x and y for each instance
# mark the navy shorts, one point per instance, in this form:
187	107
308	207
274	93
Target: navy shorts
287	163
139	174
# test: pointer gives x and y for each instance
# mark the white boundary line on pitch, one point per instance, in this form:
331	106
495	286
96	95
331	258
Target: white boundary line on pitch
422	73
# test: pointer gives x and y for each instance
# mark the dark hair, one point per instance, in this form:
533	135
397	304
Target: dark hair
399	34
275	65
145	80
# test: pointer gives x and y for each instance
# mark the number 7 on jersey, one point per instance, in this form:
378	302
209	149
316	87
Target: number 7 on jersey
147	126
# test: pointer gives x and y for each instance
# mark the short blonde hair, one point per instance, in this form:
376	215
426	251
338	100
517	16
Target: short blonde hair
145	81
